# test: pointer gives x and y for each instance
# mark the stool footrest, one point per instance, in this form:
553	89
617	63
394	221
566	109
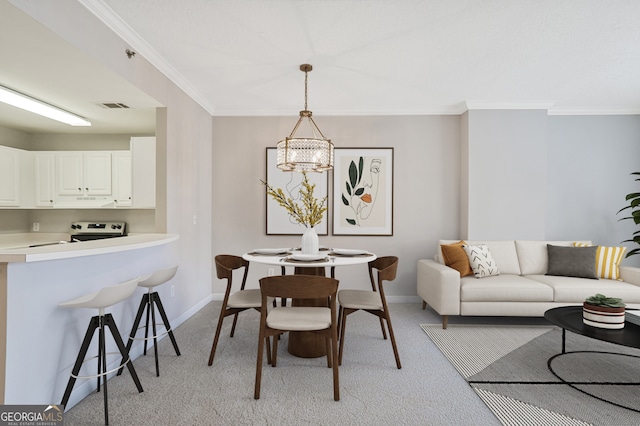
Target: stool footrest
93	376
161	334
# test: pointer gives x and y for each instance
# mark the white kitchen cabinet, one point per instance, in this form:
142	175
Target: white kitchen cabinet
143	167
85	173
122	178
9	177
45	178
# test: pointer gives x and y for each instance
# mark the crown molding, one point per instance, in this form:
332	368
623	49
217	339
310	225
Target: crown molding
594	111
473	105
124	31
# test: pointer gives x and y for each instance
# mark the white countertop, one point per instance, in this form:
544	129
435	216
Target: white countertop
14	248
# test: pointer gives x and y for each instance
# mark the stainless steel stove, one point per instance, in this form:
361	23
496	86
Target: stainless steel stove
86	231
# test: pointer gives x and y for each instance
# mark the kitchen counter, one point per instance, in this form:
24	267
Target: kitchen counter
39	340
14	248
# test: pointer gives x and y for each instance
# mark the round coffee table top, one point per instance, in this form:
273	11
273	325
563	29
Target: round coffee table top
570	318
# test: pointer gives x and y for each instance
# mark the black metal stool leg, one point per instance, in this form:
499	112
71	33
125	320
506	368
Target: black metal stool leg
109	322
165	320
93	325
103	374
149	306
134	329
155	332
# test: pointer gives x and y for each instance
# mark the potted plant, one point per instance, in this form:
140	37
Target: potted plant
308	213
603	312
634	204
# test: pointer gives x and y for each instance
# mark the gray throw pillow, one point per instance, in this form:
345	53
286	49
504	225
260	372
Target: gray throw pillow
572	261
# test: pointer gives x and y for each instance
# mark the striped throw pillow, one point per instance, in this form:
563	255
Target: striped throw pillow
608	261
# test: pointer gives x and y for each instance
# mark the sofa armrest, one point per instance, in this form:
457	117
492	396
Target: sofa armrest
439	286
630	274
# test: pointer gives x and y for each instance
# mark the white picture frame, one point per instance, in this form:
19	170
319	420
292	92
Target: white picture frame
363	191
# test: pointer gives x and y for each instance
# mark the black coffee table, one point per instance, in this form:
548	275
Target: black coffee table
570	318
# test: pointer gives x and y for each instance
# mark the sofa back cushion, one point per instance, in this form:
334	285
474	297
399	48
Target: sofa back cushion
503	252
533	257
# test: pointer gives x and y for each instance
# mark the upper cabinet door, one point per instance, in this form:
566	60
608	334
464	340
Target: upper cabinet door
69	178
83	173
45	178
97	173
9	177
122	178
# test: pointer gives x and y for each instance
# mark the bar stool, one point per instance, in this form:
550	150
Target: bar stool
150	301
100	300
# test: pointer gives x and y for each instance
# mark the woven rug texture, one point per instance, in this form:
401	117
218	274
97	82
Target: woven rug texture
507	367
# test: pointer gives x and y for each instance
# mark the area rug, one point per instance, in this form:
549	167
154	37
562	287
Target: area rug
594	383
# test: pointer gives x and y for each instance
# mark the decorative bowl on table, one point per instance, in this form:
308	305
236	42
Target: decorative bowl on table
603	312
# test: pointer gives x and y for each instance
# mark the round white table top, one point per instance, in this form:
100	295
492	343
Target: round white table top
329	258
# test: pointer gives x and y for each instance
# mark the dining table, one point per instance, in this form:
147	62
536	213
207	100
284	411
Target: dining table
308	344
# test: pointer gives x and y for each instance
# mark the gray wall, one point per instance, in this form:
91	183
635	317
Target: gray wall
506	162
590	161
426	182
522	174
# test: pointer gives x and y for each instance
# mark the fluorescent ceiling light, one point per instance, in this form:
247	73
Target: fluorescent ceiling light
28	103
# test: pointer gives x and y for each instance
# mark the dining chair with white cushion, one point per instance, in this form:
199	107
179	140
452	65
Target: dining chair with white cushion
372	301
275	321
233	302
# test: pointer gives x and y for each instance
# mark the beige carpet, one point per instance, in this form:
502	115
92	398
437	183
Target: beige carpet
426	391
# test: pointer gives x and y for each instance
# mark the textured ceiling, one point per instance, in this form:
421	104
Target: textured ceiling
241	57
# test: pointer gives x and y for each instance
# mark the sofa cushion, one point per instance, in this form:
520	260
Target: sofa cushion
575	290
532	255
504	288
481	261
608	260
503	252
572	261
455	257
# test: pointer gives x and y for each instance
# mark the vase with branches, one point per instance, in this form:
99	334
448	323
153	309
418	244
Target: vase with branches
309	212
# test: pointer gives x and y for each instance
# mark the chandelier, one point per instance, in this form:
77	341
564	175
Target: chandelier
310	153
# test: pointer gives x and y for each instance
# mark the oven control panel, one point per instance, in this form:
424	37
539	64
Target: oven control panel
99	228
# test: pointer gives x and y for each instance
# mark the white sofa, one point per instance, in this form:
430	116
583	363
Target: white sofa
521	288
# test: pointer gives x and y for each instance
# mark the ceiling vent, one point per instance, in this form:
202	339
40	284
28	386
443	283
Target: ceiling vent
114	105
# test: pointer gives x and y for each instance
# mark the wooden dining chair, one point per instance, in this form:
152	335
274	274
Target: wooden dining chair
372	301
316	319
234	302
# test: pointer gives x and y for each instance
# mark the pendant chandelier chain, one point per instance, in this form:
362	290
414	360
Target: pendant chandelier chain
305	153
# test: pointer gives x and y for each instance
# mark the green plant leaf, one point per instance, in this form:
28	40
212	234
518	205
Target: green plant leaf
351	221
345	201
632	195
353	174
359	191
348	187
633	252
360	167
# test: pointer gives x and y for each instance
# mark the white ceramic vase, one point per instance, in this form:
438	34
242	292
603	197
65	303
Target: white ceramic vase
310	242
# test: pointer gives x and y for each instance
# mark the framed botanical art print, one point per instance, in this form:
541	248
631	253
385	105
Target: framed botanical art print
278	220
363	191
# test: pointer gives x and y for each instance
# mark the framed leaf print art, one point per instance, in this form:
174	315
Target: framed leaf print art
363	191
